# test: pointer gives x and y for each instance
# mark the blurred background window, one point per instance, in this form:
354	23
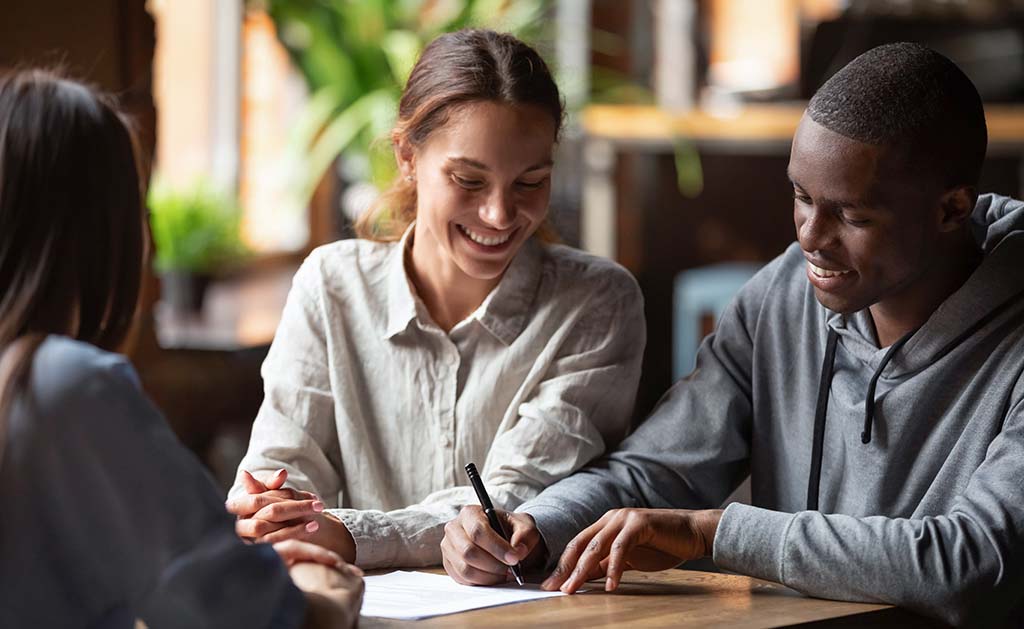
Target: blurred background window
226	97
273	94
754	45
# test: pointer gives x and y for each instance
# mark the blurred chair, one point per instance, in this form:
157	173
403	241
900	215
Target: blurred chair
699	297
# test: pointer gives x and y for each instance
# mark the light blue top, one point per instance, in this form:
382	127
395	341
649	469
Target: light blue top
105	517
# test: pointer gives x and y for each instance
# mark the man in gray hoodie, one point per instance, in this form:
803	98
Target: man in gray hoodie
869	380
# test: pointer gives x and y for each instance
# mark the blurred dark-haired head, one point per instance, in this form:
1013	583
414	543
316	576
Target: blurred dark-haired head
71	220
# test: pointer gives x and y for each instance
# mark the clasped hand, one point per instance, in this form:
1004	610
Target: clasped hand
269	512
623	539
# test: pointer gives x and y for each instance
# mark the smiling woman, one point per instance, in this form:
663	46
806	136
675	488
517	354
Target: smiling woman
454	330
485	186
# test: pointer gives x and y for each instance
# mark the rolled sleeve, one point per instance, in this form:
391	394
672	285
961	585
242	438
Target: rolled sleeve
295	428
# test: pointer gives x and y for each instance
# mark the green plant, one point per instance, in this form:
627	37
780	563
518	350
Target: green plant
195	229
355	56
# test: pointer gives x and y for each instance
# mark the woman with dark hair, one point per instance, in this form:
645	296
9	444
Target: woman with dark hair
453	330
106	516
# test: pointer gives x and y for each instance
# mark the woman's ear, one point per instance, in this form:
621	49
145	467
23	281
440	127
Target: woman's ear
406	159
956	207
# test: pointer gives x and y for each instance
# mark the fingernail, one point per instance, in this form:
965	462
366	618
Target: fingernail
609	585
311	527
279	472
318	506
511	558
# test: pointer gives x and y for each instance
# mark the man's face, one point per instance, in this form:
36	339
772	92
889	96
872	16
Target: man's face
865	228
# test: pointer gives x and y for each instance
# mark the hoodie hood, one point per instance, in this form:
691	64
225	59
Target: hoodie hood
995	287
997	224
997	218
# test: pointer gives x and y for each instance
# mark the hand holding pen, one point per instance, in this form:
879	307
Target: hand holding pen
475	553
492	516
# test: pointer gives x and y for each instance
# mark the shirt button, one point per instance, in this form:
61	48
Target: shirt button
453	359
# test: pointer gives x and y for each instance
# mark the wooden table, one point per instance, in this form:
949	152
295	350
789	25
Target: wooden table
674	598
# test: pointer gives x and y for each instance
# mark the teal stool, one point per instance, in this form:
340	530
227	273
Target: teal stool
699	292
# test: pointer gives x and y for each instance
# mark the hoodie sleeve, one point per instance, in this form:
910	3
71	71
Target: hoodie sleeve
690	453
963	566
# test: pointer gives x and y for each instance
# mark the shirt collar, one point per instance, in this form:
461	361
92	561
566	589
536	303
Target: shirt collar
503	313
401	297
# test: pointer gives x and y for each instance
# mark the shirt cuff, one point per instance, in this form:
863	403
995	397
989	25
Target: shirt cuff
751	541
375	536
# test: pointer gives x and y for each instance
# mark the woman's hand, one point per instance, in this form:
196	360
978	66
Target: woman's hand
634	539
292	551
270	513
271	508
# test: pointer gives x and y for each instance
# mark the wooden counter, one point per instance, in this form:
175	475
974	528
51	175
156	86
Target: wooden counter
771	125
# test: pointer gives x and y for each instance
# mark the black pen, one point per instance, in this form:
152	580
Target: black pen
492	515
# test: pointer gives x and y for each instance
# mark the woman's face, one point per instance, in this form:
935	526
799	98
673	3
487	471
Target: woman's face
483	181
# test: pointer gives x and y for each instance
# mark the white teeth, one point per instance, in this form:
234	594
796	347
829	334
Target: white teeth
484	240
820	272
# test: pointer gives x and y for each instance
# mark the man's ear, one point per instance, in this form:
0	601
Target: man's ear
406	159
955	207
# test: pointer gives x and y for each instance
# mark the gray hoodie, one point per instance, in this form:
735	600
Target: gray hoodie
908	489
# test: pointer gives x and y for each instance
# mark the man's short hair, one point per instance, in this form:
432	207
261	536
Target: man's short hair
911	98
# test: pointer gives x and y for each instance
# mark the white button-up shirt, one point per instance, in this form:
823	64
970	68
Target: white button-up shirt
372	406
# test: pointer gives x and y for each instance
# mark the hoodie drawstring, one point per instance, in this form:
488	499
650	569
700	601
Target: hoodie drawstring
820	412
827	367
869	401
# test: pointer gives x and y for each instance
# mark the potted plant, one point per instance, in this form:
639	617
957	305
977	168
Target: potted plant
196	235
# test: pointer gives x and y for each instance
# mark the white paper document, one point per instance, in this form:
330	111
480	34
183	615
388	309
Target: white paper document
412	595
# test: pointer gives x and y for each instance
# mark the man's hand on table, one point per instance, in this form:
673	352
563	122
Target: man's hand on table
271	513
634	539
623	539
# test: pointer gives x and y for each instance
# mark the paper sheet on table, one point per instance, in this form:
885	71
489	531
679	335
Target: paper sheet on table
412	595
